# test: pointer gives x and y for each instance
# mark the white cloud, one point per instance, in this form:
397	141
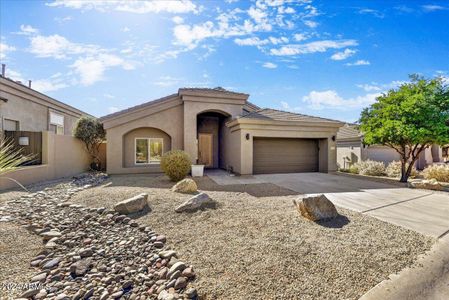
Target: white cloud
360	62
58	47
177	20
432	7
300	37
312	47
311	24
369	87
166	81
279	40
269	65
113	109
138	7
343	54
27	30
252	41
286	10
109	96
125	29
287	107
258	15
63	19
53	83
48	85
91	69
369	11
330	98
4	49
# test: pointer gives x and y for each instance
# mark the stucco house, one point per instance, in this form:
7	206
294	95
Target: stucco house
220	129
351	149
25	109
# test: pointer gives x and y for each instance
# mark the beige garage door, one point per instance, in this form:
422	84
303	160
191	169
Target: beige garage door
284	155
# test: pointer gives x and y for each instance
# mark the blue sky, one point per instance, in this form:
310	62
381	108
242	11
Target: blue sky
325	58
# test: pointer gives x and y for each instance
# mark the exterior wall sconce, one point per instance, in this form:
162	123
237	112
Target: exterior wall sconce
24	141
247	136
333	138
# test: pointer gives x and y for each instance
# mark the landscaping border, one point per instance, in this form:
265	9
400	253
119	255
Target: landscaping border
381	179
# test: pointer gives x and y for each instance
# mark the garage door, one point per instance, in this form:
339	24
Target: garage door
284	155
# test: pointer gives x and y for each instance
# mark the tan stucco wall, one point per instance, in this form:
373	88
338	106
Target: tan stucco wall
328	154
169	121
146	132
192	109
348	149
32	109
380	153
62	156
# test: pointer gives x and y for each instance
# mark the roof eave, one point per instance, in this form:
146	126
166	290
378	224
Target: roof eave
244	120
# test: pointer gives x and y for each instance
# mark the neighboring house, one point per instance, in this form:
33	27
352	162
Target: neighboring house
24	109
41	126
351	149
220	129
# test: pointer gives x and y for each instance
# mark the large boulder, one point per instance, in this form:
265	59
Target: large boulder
132	205
187	186
316	207
202	200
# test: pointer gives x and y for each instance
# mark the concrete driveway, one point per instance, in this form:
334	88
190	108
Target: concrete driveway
423	211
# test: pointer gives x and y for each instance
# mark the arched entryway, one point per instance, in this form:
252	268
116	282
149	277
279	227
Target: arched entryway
210	131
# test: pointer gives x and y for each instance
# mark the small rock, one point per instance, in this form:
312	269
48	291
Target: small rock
181	283
185	186
132	205
51	263
202	200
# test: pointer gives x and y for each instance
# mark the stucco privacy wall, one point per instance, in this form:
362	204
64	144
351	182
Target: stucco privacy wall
62	156
349	149
327	156
31	108
169	120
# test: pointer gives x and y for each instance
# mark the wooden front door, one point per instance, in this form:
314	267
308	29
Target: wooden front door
205	146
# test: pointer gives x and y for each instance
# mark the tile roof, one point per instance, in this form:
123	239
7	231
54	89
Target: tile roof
348	132
215	90
279	115
137	107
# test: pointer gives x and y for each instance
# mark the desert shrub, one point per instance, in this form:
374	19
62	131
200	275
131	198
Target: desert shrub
354	169
370	167
394	170
176	164
91	132
438	172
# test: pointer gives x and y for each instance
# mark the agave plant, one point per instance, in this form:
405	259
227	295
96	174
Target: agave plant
11	158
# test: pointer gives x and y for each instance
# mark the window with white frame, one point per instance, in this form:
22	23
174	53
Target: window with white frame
57	122
148	150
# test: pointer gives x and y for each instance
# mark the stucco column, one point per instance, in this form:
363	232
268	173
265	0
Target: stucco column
190	133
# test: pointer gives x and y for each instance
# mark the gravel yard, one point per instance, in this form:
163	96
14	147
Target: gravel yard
255	245
17	248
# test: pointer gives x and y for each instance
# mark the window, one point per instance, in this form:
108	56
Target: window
11	125
148	150
57	121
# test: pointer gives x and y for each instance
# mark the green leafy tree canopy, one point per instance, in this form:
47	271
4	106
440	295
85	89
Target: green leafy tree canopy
409	119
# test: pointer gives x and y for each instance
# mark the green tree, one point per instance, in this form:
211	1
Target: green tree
409	119
91	132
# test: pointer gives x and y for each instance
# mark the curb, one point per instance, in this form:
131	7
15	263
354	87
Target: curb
426	279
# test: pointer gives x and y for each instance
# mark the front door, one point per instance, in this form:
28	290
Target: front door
205	147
